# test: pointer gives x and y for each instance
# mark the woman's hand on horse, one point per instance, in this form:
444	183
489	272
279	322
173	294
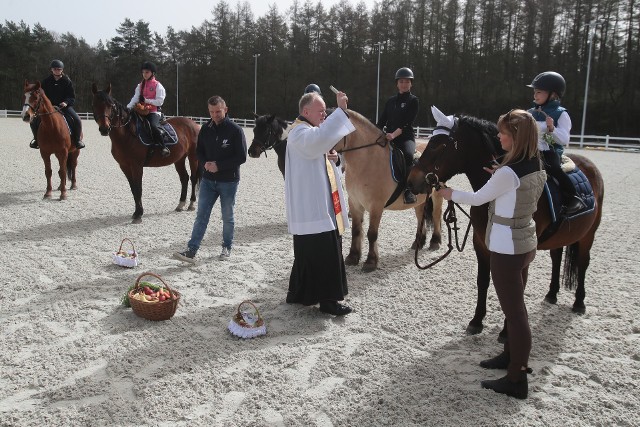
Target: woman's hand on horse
445	192
491	170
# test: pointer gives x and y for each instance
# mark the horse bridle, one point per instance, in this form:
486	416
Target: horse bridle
39	104
264	146
449	216
114	107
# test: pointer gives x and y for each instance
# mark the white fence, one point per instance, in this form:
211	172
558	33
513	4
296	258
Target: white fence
606	142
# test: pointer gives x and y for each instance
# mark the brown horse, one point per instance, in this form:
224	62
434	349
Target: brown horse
115	120
370	185
473	144
54	137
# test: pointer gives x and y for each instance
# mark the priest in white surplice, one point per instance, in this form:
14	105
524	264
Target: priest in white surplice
316	207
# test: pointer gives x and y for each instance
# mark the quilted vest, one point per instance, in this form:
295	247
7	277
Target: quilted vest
522	225
149	92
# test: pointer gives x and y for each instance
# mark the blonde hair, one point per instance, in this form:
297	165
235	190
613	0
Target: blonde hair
524	130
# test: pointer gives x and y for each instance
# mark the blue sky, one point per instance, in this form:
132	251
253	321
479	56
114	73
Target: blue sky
95	20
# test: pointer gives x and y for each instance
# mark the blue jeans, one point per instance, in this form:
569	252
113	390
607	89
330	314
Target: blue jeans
208	194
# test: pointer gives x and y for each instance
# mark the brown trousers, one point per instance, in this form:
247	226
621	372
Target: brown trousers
509	274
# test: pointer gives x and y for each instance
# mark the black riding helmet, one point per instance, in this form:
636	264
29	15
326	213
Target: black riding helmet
404	73
549	81
148	66
313	88
56	63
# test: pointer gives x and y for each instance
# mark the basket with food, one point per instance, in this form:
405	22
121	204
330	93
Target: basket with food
126	257
150	300
247	322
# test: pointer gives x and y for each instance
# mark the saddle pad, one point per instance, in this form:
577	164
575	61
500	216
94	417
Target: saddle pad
583	190
169	136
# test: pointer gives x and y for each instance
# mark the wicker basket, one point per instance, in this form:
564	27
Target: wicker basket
247	322
157	310
128	258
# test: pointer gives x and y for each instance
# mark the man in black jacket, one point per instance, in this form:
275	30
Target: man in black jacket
221	149
59	89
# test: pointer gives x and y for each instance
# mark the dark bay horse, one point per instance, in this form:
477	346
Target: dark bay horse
368	181
54	137
471	145
115	120
269	133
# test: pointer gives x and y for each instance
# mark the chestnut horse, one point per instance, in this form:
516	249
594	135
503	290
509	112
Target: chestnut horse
368	180
54	137
473	144
115	120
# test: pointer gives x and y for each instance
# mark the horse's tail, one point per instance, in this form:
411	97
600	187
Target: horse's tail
428	213
69	167
570	273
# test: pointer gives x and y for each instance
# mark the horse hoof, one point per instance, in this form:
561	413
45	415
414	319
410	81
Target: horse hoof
136	221
352	260
434	246
179	209
368	267
63	197
473	329
74	187
551	299
191	207
579	309
46	196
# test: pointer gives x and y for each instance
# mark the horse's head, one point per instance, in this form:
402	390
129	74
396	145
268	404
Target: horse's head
104	108
32	100
458	145
268	131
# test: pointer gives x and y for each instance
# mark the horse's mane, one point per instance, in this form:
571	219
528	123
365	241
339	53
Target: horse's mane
361	121
487	130
104	96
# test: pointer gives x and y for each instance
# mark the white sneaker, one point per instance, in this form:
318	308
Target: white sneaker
225	254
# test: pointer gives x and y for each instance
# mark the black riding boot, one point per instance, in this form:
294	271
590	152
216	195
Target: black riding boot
165	152
79	144
34	129
409	197
518	389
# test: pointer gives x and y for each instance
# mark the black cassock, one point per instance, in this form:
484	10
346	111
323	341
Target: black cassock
318	271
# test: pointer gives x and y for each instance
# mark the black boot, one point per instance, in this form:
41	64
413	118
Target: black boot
574	204
518	389
409	197
79	144
501	361
34	144
165	151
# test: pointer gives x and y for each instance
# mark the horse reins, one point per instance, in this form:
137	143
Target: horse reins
35	109
451	221
376	142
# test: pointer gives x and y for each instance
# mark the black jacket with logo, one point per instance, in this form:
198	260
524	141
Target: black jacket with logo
224	144
399	112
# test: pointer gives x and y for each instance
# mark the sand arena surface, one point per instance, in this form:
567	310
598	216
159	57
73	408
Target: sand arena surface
71	355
